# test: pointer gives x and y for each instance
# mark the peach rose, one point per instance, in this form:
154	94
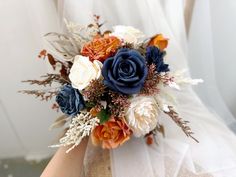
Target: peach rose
159	41
111	134
100	48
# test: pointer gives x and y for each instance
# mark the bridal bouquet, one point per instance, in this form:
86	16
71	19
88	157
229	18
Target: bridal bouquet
110	85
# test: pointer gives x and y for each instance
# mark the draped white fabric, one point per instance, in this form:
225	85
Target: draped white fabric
201	55
216	152
23	23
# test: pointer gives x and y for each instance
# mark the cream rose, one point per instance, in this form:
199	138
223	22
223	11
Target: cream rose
128	34
83	71
142	115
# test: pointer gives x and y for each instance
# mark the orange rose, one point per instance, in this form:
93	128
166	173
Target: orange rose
159	41
111	134
100	48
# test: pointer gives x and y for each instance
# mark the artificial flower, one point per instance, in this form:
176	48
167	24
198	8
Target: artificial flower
100	48
125	72
128	34
155	55
113	88
142	115
158	41
111	134
83	71
70	100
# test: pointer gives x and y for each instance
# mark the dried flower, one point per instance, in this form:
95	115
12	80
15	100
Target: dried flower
95	110
96	25
66	46
149	139
180	122
101	48
111	134
94	91
48	80
80	127
44	95
119	103
42	54
150	84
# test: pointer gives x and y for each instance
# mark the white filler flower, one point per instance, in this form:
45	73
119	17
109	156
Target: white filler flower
128	34
81	126
142	115
83	71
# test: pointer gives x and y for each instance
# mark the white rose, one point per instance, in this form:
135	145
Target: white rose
128	33
83	71
142	115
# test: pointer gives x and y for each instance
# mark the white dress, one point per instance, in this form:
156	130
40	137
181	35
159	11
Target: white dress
175	155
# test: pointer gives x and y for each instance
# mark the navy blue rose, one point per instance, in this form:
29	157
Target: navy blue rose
155	56
70	100
125	72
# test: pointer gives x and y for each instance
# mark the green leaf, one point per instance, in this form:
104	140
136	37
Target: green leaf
89	104
103	115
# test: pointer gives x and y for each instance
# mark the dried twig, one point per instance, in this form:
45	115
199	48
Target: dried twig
43	95
97	23
159	128
48	80
95	91
166	78
180	122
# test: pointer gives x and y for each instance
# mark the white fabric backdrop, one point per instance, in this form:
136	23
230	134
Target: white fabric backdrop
223	28
24	121
212	56
32	19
